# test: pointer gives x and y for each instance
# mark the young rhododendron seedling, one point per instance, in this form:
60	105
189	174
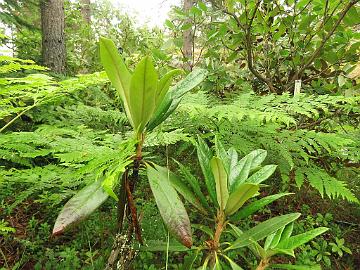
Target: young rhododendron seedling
147	101
230	183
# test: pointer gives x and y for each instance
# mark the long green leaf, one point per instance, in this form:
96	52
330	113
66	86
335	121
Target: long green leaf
259	156
161	112
220	177
246	165
164	84
205	264
263	229
80	206
296	267
222	154
194	183
170	206
204	156
287	231
233	168
183	189
254	247
262	174
192	80
268	240
240	196
234	266
300	239
257	205
173	97
277	237
117	71
143	89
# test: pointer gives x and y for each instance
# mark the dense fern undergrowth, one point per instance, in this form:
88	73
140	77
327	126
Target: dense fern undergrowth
58	134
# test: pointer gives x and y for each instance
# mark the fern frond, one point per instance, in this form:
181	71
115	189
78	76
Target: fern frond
159	137
329	185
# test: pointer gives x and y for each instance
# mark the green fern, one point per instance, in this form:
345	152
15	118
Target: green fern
10	64
329	185
56	161
5	229
280	124
20	95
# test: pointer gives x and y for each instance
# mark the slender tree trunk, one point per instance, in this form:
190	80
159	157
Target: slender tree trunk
188	39
86	10
53	34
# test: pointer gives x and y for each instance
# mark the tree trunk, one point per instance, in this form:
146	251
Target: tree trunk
53	34
86	30
86	10
188	39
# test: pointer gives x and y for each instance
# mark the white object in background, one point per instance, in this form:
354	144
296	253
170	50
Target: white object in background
297	87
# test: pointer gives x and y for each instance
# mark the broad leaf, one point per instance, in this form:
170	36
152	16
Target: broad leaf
194	183
170	206
117	71
263	229
192	80
262	174
257	205
254	247
181	188
273	252
268	240
277	237
248	163
240	196
258	156
164	85
296	267
300	239
233	169
204	156
174	96
80	206
220	177
143	89
222	154
160	113
287	232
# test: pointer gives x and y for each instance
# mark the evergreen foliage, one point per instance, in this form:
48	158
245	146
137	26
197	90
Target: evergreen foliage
60	135
307	136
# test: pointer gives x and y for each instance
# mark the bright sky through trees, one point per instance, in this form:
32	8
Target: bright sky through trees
151	12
